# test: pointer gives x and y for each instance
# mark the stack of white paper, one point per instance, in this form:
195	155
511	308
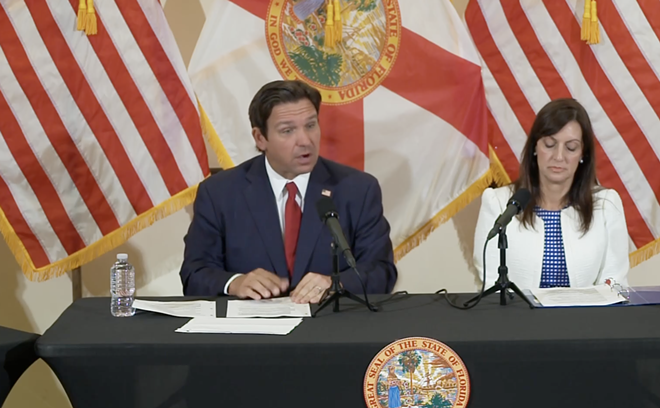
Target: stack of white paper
277	307
195	308
240	326
593	296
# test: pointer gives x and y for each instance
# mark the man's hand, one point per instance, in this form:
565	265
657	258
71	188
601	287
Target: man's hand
311	288
258	284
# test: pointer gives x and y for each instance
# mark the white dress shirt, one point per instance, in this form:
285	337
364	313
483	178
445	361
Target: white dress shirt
591	258
278	184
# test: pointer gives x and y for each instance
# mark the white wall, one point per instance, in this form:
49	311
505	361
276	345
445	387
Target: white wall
442	261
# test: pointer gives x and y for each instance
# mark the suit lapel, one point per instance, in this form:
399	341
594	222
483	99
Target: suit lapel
311	225
261	202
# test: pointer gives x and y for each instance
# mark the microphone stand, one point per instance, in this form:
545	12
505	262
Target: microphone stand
336	290
503	283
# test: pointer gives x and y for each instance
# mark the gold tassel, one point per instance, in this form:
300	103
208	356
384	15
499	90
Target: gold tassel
338	23
590	31
586	21
330	26
90	20
82	14
594	31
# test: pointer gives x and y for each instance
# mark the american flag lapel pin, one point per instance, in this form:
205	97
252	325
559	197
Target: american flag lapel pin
326	193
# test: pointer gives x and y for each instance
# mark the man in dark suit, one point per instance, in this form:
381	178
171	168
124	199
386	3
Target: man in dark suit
256	233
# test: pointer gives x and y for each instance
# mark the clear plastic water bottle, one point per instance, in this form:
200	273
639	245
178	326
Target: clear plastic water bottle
122	287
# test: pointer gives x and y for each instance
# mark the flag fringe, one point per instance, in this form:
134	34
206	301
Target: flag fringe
496	174
644	253
98	248
500	176
212	137
465	198
15	245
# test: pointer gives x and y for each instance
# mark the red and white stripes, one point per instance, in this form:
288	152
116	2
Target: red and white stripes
94	131
532	53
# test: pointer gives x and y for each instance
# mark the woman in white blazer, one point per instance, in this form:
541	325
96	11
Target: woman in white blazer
573	232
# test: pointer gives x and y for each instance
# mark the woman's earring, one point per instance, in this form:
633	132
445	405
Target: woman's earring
581	160
534	153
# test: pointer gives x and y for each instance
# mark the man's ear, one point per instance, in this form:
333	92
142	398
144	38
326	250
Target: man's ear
259	139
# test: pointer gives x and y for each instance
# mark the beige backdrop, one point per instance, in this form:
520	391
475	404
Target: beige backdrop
443	261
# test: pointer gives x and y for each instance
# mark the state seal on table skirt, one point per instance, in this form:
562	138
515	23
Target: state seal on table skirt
416	372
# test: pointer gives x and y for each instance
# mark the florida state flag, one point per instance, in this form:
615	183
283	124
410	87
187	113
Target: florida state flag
403	97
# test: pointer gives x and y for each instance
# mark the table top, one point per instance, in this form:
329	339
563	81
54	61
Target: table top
87	328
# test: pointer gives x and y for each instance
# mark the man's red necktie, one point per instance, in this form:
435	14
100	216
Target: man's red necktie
292	219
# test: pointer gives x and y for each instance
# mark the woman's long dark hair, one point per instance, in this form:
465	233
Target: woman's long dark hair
549	121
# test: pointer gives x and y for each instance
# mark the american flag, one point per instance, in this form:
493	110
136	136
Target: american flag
99	135
532	53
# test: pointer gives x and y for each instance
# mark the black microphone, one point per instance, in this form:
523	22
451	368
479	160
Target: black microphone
516	204
328	213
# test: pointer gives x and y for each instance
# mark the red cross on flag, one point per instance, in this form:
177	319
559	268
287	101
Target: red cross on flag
403	97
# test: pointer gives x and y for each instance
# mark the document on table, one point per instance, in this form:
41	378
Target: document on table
193	308
594	296
240	326
277	307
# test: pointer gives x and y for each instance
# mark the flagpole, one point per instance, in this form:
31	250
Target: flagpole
76	283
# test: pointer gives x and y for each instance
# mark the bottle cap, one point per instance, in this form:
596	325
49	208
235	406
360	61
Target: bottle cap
122	257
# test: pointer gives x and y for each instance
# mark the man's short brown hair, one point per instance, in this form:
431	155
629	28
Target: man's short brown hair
278	92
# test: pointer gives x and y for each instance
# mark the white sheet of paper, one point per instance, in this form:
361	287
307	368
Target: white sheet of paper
593	296
240	326
277	307
192	308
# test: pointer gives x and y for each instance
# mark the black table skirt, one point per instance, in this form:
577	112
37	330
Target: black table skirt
516	357
17	354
